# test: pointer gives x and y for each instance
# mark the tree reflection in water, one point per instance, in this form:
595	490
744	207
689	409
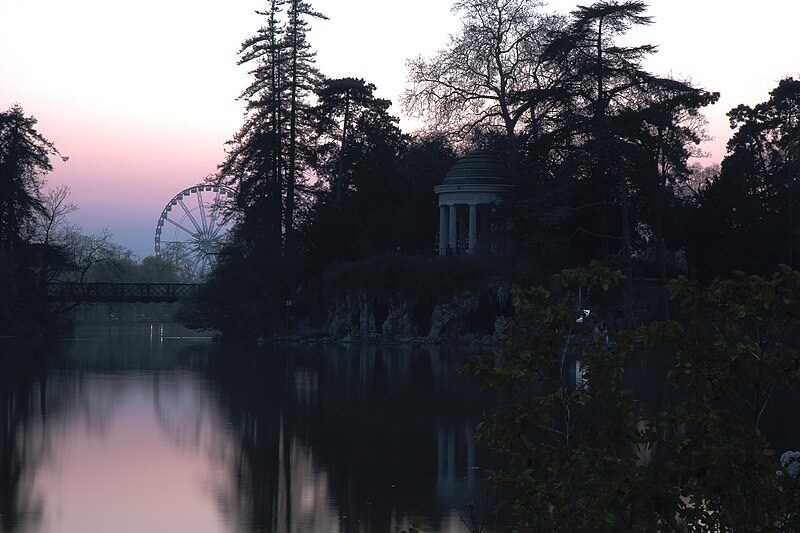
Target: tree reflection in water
23	410
295	438
357	437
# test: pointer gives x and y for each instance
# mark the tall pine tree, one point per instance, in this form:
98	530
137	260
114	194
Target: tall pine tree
267	156
255	158
303	78
616	106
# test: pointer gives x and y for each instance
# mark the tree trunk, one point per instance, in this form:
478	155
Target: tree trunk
340	165
627	262
661	249
288	222
276	216
661	258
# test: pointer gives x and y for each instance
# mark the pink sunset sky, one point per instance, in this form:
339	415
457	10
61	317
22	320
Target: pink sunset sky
142	95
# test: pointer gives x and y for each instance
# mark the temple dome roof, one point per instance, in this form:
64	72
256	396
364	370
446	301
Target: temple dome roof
477	167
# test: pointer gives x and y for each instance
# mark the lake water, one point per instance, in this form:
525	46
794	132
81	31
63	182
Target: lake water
151	428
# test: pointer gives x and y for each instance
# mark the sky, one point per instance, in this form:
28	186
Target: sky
141	96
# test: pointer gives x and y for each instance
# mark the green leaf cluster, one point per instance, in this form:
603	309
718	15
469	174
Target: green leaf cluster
417	526
736	348
585	455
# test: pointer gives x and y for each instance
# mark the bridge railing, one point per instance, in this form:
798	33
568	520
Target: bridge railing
119	292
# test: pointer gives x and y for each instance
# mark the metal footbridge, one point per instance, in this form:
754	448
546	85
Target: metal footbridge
120	292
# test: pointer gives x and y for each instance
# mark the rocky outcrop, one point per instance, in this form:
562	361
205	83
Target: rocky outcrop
450	320
469	316
351	316
398	321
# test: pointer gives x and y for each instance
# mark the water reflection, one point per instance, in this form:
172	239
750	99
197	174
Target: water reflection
133	429
360	438
22	415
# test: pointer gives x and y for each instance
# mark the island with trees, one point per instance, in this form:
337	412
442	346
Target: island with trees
622	242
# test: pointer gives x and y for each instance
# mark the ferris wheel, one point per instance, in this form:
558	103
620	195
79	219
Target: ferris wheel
192	227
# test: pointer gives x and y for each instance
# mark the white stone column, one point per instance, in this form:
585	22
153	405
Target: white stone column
473	229
452	235
485	239
442	230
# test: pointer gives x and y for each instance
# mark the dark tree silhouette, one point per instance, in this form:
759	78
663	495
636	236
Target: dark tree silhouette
256	156
24	161
750	212
664	131
601	77
363	195
611	96
266	158
345	100
303	79
491	75
50	230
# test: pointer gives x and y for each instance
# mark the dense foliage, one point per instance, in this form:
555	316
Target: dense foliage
598	147
749	213
586	453
421	278
24	162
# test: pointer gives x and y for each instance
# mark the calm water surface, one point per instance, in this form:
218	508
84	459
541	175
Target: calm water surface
149	428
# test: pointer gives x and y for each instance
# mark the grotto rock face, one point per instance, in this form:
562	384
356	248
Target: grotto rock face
469	316
398	321
450	320
351	316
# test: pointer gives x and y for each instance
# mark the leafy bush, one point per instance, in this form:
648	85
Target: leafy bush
424	278
575	436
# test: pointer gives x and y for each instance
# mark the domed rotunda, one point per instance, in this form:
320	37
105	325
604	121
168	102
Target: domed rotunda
472	198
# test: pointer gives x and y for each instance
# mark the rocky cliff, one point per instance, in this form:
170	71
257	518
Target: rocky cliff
468	316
